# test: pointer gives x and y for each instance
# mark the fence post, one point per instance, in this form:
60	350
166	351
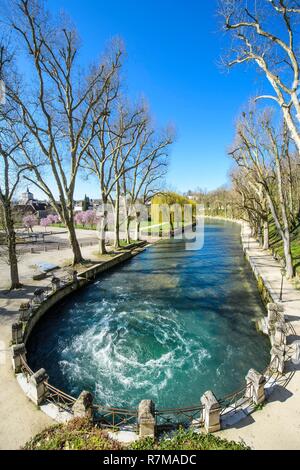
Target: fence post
39	296
279	337
146	419
255	387
37	386
17	333
278	358
55	283
275	313
18	350
211	412
83	406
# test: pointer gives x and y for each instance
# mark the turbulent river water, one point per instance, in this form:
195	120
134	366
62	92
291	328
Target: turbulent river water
168	325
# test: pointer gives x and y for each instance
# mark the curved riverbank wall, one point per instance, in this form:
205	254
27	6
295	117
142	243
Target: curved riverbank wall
211	413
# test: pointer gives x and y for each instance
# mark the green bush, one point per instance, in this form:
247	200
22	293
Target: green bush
188	440
80	434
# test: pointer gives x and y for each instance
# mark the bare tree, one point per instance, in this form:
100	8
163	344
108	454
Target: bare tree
145	180
266	32
61	108
261	151
12	167
106	158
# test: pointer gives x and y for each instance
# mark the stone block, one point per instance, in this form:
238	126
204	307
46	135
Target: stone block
211	412
146	419
37	390
83	406
17	333
18	351
255	387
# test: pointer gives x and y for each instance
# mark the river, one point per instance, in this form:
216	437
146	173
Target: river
167	325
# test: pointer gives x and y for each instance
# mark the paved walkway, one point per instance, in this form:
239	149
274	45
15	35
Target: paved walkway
277	425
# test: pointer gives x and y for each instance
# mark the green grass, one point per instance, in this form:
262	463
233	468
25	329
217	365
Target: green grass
277	246
188	440
80	434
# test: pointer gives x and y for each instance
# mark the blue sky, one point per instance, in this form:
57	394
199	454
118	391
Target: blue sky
174	48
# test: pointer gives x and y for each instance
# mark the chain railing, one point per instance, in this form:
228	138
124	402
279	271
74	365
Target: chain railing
62	399
115	417
175	417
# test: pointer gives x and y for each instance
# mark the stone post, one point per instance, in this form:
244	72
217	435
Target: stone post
275	313
279	337
255	387
146	419
18	350
55	282
37	390
17	333
39	296
83	406
278	358
211	412
25	311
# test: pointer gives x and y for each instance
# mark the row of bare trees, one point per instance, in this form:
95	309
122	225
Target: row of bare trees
266	176
62	121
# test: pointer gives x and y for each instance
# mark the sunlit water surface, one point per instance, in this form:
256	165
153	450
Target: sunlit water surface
168	325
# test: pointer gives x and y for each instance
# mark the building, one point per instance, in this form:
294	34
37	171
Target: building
28	205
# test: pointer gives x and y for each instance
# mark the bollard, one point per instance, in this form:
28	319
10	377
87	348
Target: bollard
146	419
275	313
211	412
37	390
18	351
39	296
17	333
25	311
55	283
83	406
278	358
255	387
279	337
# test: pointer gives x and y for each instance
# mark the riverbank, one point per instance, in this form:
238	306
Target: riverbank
277	425
23	420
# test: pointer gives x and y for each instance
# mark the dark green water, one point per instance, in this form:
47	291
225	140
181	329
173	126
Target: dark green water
168	325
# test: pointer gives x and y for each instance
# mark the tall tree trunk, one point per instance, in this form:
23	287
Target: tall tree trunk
285	237
128	238
117	217
288	255
77	256
266	244
11	246
102	232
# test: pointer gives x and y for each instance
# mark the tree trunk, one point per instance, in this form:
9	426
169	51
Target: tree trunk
288	255
128	239
11	245
102	234
117	218
77	256
266	235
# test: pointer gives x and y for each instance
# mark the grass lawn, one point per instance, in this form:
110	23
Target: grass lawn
277	245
